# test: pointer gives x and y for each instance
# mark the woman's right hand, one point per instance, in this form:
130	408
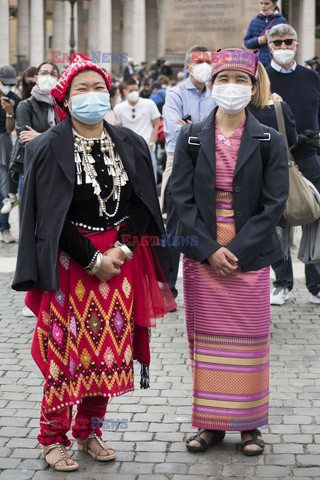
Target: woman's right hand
223	261
262	40
110	268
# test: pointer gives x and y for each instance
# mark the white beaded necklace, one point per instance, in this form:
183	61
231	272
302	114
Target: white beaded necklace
112	161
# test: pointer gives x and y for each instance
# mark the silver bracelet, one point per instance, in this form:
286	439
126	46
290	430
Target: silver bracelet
126	250
97	265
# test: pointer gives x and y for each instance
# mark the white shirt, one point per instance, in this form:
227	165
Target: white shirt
283	70
138	117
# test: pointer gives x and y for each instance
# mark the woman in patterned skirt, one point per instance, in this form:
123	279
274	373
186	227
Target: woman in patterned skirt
230	195
88	199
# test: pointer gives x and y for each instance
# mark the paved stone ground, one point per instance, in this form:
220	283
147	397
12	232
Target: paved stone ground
152	447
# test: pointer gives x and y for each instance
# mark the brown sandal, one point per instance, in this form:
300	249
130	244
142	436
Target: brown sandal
97	449
56	454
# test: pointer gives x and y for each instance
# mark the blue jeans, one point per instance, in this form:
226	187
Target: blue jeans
4	217
310	167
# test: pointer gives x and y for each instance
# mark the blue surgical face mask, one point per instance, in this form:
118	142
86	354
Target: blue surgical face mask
90	108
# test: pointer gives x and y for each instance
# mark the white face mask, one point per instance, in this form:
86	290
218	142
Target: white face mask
133	96
201	72
284	56
5	89
232	98
46	82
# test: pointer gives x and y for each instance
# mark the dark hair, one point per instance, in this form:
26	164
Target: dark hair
130	81
113	91
26	91
54	66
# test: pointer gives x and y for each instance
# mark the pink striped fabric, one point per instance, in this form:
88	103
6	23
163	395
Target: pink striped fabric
228	323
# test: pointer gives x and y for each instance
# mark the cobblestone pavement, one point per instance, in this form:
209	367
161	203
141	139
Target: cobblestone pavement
158	420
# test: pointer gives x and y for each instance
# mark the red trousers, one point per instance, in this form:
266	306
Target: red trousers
89	419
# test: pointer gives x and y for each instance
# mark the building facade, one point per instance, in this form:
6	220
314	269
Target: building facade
110	31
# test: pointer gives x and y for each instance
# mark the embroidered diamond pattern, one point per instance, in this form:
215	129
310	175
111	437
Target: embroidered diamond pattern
85	358
60	297
46	317
64	260
128	355
73	326
80	290
126	287
109	357
118	322
94	323
54	370
104	289
57	334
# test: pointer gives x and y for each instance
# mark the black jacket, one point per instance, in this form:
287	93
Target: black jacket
47	194
259	196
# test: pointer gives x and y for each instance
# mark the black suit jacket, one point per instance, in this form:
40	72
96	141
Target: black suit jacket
259	195
47	194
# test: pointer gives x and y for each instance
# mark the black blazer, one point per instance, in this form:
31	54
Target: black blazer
47	194
259	196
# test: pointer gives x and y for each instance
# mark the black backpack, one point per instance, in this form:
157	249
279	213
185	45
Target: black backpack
194	143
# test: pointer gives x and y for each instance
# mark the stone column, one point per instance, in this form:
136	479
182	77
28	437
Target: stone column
139	31
23	32
127	41
58	35
36	32
104	36
4	33
302	18
93	26
161	15
307	30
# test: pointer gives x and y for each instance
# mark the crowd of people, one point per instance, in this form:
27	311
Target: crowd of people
86	167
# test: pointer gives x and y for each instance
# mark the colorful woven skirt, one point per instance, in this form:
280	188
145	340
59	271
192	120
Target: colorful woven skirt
228	322
88	332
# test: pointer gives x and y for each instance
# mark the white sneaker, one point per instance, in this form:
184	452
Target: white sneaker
315	298
279	295
26	312
6	237
8	204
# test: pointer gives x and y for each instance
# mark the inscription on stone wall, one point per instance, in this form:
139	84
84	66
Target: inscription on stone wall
205	16
214	23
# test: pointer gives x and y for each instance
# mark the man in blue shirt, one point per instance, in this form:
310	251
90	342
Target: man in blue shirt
189	101
300	88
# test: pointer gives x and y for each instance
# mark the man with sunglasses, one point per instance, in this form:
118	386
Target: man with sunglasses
300	88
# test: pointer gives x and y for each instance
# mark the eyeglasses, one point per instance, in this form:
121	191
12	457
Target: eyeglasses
43	73
133	113
287	41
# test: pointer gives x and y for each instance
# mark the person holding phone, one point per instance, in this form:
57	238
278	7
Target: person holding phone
8	104
189	101
257	33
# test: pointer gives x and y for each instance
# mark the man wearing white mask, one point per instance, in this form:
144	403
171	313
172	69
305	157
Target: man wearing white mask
140	115
300	88
8	103
189	101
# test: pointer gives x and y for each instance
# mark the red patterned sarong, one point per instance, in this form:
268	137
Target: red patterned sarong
88	332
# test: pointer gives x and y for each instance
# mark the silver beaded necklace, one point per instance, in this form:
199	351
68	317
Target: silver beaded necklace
85	161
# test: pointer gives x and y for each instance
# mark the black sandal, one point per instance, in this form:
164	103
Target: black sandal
217	437
254	441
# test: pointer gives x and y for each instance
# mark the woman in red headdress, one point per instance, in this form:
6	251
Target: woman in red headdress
89	198
229	188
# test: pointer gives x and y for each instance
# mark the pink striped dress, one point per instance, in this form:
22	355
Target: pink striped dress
228	323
